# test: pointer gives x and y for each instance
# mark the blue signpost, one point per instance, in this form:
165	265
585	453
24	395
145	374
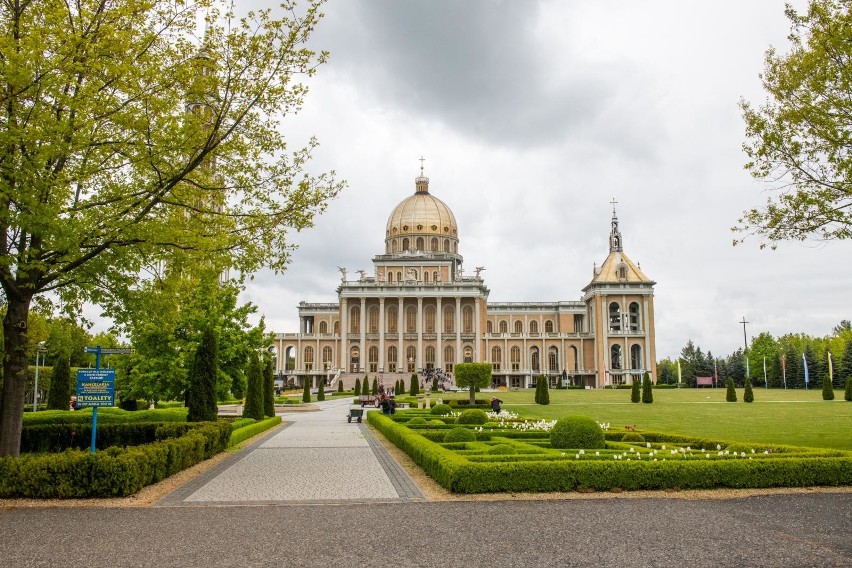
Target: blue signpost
96	387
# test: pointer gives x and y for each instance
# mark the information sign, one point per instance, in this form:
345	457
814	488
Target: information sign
95	387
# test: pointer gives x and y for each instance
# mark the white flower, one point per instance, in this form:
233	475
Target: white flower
718	446
597	453
563	454
647	444
707	456
582	452
576	456
663	447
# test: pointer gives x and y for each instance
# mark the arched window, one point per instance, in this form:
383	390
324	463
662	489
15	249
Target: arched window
533	326
548	326
309	358
323	327
615	357
449	319
405	244
467	316
411	358
327	357
355	319
430	357
373	359
553	360
614	317
354	360
429	319
391	319
420	243
399	276
515	355
634	316
535	362
575	358
635	357
392	361
504	326
390	276
621	272
489	327
373	319
336	326
446	245
449	359
393	246
410	319
434	246
496	357
519	326
426	276
435	276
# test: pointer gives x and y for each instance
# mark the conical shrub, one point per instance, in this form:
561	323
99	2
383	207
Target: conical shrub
59	395
847	395
357	386
635	396
415	387
748	394
306	394
321	390
375	390
827	390
731	395
339	385
647	390
544	397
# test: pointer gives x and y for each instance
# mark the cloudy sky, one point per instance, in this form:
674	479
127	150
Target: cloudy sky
532	116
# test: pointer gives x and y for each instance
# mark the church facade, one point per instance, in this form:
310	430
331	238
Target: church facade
419	311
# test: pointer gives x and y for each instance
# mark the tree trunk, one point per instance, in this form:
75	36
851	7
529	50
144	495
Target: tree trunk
14	374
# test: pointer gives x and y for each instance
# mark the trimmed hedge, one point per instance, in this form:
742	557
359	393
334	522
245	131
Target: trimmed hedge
472	416
114	472
441	410
459	434
246	432
577	432
518	473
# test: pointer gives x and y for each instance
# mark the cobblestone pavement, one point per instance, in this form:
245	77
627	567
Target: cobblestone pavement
316	457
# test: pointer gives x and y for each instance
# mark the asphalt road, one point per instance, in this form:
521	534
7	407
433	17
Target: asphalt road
771	530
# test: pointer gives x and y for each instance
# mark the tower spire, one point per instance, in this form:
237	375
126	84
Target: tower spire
421	183
615	244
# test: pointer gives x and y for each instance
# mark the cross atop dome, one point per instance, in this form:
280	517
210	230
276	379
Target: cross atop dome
421	183
614	235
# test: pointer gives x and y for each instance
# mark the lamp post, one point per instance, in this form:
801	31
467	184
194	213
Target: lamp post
42	346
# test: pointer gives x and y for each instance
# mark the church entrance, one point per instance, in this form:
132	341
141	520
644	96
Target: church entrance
354	360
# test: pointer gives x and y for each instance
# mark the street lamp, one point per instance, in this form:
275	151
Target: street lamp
41	346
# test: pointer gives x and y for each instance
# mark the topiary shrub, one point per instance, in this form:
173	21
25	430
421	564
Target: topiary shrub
417	420
827	389
441	410
647	393
633	437
634	392
375	390
460	435
357	387
577	432
472	416
502	449
847	395
436	422
339	385
748	393
731	395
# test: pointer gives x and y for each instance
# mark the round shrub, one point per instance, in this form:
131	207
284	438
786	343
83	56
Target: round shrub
417	420
577	432
441	409
472	416
436	422
460	435
633	437
502	449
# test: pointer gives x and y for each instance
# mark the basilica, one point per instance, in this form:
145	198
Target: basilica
418	312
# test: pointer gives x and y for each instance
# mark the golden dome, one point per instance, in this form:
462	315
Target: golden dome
422	213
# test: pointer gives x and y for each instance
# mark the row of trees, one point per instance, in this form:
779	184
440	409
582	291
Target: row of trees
784	359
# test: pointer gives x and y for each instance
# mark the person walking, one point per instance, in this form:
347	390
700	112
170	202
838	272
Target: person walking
495	404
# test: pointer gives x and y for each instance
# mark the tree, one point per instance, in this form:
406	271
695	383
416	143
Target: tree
731	394
400	390
845	368
544	393
847	394
268	387
339	385
201	394
748	394
321	389
112	122
357	386
635	395
254	389
827	390
375	389
434	384
59	395
647	391
798	140
414	390
473	376
306	390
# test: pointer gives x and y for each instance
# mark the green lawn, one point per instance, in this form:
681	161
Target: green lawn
795	417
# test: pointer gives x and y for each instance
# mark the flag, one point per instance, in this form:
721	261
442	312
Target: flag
765	382
784	369
806	370
748	374
715	372
679	375
830	370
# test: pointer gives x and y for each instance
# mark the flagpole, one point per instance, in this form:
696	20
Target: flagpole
784	369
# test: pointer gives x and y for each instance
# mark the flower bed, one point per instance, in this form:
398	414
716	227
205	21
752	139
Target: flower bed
525	461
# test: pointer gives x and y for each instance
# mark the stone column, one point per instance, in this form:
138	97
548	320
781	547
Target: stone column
439	328
418	363
382	333
344	335
400	355
362	355
459	355
476	346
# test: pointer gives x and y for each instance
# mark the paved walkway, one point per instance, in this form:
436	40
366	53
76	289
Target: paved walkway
316	457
